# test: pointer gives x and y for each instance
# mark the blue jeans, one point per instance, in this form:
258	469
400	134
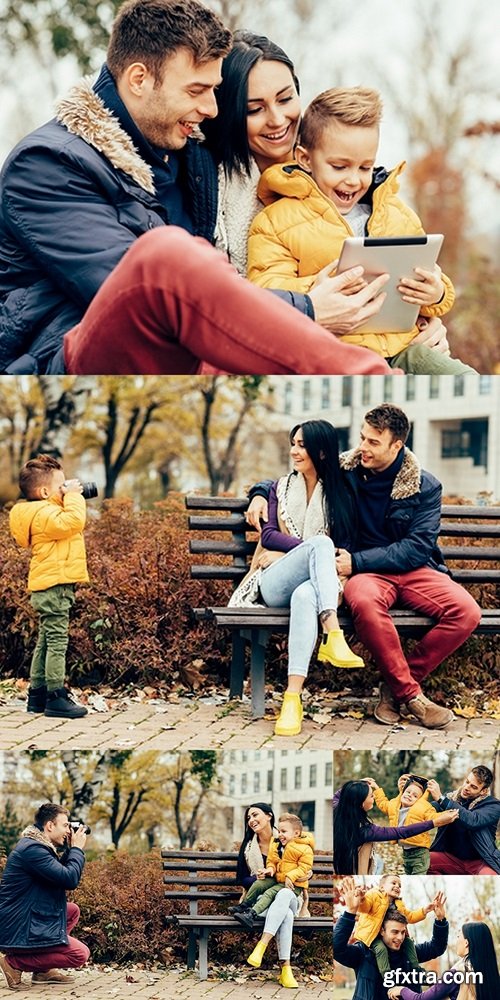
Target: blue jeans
279	920
306	580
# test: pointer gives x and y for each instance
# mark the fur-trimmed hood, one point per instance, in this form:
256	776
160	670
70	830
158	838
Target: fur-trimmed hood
34	833
84	113
407	481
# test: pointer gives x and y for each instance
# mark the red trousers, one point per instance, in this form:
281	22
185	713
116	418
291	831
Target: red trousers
370	597
443	863
72	955
173	302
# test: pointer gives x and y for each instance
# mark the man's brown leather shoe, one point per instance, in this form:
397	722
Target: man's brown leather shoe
428	713
13	976
52	976
387	710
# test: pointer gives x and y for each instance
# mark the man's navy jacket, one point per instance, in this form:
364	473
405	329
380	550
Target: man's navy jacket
477	825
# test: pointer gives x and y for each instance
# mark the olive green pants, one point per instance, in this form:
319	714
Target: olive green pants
48	665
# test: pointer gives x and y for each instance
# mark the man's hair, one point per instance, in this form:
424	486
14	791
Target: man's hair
483	774
49	812
392	913
149	31
345	105
37	472
293	820
389	417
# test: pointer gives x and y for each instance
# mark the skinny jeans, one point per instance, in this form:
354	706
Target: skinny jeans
370	596
72	955
174	301
279	921
305	579
48	664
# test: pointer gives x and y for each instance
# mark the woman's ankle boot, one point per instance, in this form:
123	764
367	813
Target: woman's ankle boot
334	649
287	978
255	959
289	721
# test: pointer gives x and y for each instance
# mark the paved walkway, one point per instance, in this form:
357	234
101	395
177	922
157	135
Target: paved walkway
213	723
94	984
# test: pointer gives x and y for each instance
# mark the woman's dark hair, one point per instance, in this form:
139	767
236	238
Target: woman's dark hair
483	959
348	817
321	443
241	865
227	136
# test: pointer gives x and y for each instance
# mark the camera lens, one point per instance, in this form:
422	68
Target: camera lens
89	491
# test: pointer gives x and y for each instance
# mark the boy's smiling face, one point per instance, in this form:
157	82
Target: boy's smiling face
411	794
392	886
342	162
287	832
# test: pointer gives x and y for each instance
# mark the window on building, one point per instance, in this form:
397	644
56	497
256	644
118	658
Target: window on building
469	439
325	393
411	387
257	754
256	781
306	395
459	385
434	387
288	397
484	385
313	775
232	756
329	772
283	782
244	756
269	781
244	784
388	388
298	777
232	784
346	390
366	390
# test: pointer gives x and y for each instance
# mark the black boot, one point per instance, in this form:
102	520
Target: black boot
37	699
247	918
60	705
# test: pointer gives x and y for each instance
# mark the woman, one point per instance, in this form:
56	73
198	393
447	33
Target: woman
252	857
476	953
354	833
294	564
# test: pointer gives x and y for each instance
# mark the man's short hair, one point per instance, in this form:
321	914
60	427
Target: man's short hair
294	821
345	105
49	812
149	31
35	473
483	774
392	913
389	417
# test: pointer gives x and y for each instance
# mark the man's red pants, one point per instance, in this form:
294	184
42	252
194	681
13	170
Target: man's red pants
173	302
443	863
72	955
370	597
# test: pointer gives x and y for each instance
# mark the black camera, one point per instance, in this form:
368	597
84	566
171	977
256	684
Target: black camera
89	491
75	825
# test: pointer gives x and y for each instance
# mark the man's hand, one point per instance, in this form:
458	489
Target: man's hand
434	788
439	903
446	817
343	562
424	290
432	334
78	837
351	894
337	308
256	511
267	557
71	486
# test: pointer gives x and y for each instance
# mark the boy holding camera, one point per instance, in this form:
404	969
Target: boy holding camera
50	520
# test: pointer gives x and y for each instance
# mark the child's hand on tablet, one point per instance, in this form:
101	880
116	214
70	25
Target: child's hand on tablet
424	290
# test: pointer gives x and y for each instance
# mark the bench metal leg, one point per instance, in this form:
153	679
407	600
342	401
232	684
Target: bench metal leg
237	666
203	953
257	671
191	950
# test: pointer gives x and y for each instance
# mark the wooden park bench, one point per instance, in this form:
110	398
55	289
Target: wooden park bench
202	877
219	530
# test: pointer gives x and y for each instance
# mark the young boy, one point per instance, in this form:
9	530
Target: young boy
372	911
50	520
411	805
331	192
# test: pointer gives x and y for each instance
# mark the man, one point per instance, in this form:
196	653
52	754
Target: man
470	847
35	919
397	561
100	208
369	983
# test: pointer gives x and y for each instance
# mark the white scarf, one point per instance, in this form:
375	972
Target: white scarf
237	206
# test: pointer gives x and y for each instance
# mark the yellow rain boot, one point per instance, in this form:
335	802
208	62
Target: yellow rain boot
289	721
287	978
257	955
334	649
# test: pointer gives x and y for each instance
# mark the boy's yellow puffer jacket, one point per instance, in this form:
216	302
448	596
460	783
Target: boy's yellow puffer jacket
296	861
372	911
53	528
419	812
301	231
